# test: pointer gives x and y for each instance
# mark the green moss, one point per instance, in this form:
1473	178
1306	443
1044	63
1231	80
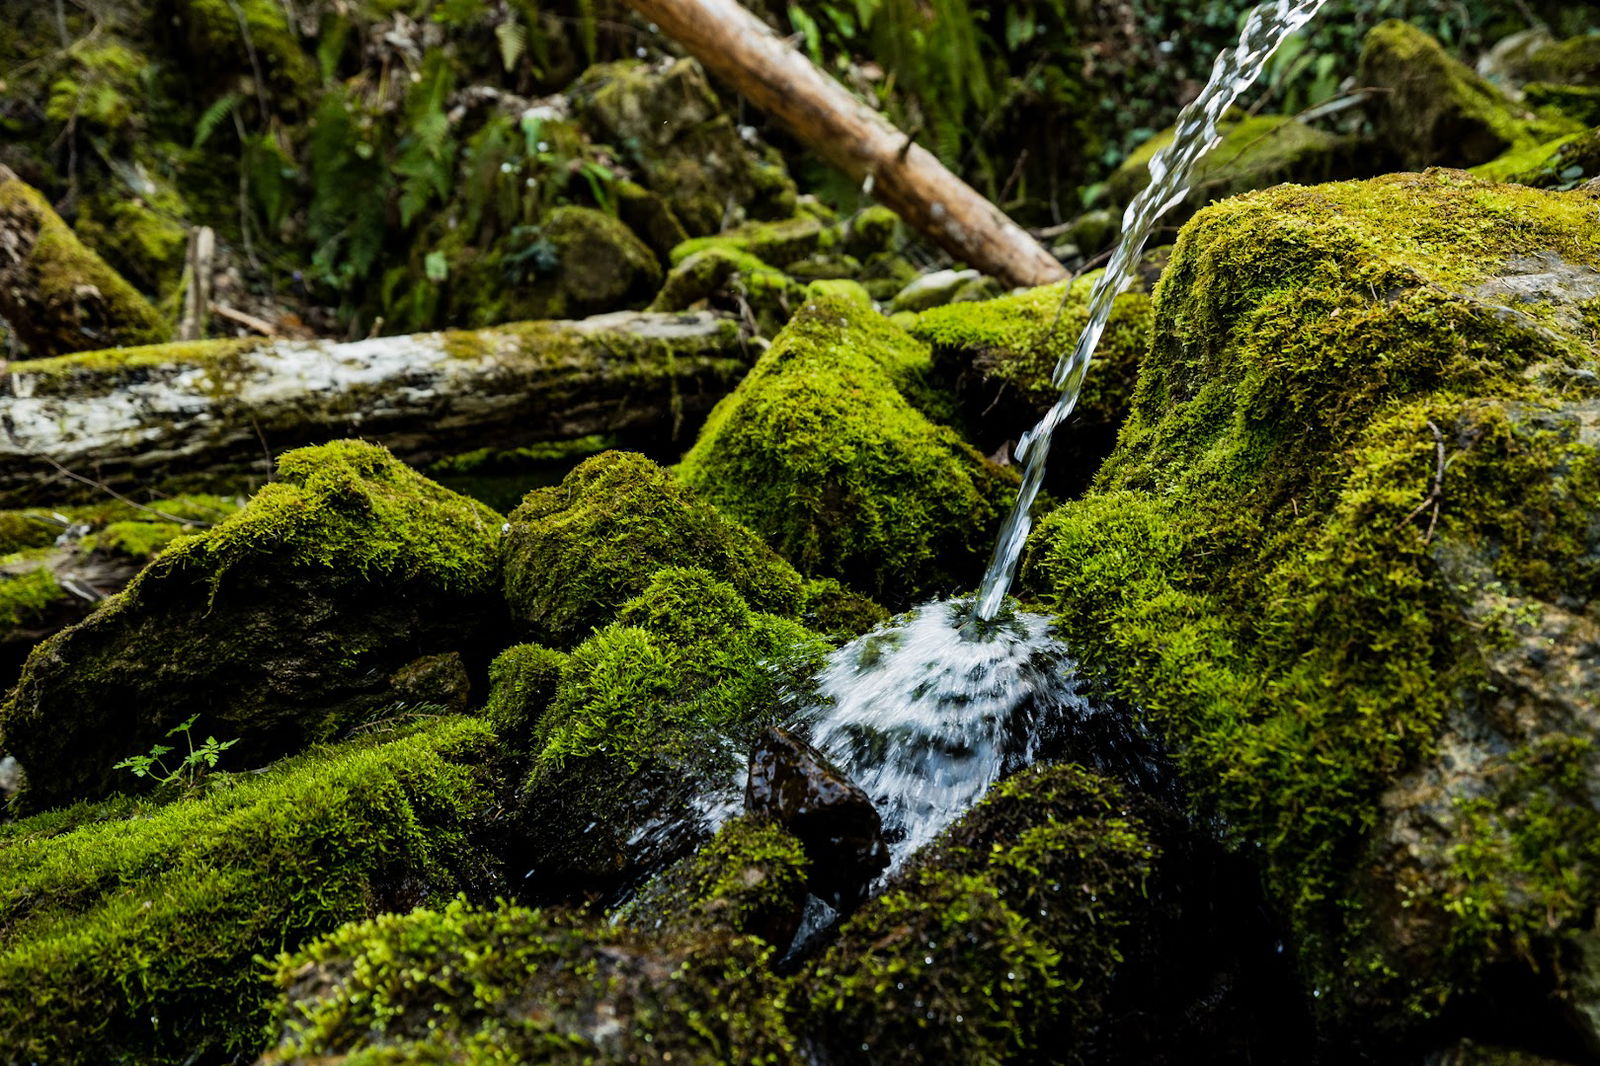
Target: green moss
1563	163
871	231
278	625
1578	102
20	530
102	89
66	298
750	880
998	357
66	373
651	713
1001	939
818	451
143	237
839	612
1435	110
1259	567
577	551
649	216
603	266
778	243
1574	61
26	593
718	273
239	34
454	985
1253	153
522	684
131	940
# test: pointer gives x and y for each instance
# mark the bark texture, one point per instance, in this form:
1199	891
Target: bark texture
741	49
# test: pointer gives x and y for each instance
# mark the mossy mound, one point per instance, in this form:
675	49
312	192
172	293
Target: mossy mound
278	626
1254	152
522	683
57	295
667	121
603	265
750	880
575	552
997	357
1564	163
510	985
818	451
1000	940
132	938
734	280
1344	522
652	713
1574	61
1433	110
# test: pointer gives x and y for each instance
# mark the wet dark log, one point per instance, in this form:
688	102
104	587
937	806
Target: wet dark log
133	417
742	50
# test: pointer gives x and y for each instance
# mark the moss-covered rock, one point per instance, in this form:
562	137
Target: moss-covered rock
648	720
997	357
1574	61
669	124
603	266
130	937
834	609
522	684
779	243
738	281
1254	152
649	216
819	452
510	985
750	880
57	295
1579	102
576	551
1343	558
278	626
1564	163
999	941
1433	110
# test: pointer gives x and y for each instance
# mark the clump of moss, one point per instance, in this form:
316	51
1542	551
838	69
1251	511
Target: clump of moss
1563	163
819	452
650	713
26	593
1574	61
506	985
576	551
277	626
57	295
1000	940
719	275
603	265
131	939
839	612
522	684
240	34
1264	564
750	880
1254	152
997	357
1435	110
779	243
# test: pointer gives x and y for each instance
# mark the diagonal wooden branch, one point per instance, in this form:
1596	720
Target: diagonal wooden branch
767	70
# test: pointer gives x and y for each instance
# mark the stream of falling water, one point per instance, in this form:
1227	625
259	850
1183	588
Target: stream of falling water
926	713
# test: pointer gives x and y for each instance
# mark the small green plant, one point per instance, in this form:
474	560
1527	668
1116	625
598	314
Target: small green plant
190	770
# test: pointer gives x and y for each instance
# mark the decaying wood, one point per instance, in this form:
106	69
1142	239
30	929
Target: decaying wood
135	416
197	292
742	50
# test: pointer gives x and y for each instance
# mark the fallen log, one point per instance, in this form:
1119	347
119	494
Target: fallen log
136	416
768	71
56	294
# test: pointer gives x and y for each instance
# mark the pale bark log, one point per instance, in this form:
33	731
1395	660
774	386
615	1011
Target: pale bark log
742	50
132	417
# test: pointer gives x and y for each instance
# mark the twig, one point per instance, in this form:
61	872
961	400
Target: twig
1436	495
248	321
109	491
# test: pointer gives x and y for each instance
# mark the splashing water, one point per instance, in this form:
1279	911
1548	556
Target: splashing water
1171	170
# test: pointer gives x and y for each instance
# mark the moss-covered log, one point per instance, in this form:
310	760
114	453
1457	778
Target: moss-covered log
129	416
57	295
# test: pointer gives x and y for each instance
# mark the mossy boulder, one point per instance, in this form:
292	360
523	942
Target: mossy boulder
522	684
1564	163
999	941
278	626
603	265
1344	557
749	880
780	242
130	934
651	719
575	552
997	357
1574	61
510	985
729	279
57	295
668	123
818	451
1434	110
1254	152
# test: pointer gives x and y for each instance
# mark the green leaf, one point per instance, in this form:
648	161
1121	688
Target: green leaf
513	40
437	267
212	117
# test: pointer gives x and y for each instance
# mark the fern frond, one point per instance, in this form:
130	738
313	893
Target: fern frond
212	117
513	39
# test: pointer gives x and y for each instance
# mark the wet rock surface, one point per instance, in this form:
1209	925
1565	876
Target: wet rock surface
795	784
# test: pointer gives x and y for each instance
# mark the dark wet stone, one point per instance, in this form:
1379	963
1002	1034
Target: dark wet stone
830	815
